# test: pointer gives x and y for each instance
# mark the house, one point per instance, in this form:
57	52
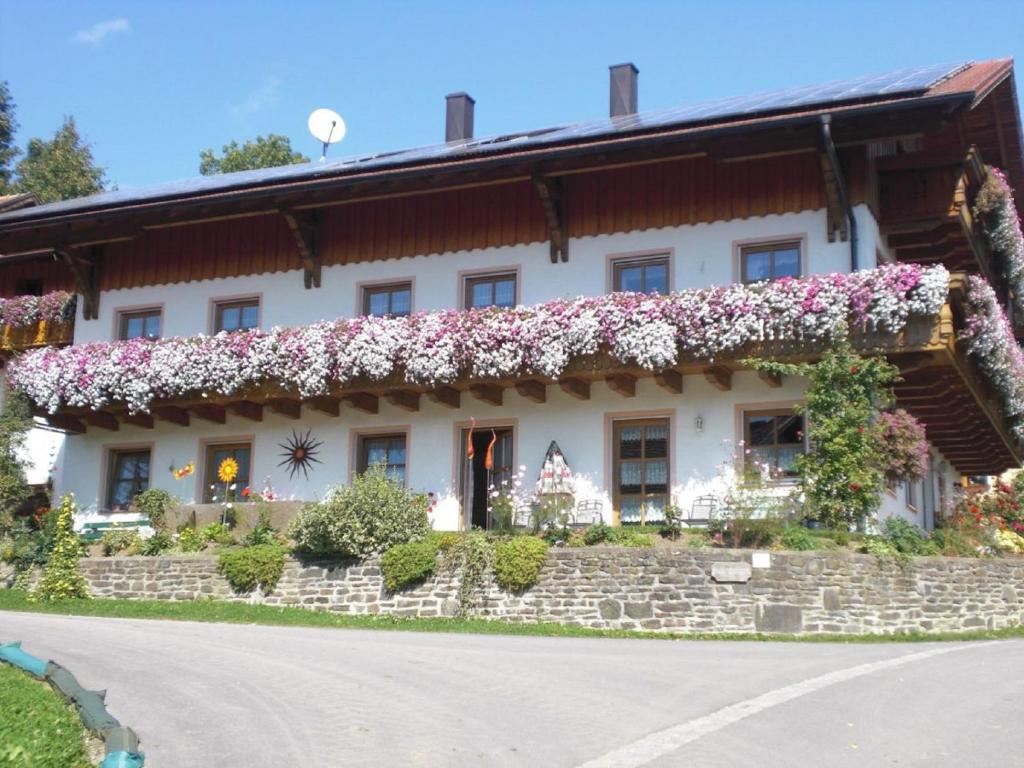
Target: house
372	278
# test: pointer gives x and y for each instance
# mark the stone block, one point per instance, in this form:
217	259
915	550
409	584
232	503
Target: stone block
731	572
609	609
784	619
643	610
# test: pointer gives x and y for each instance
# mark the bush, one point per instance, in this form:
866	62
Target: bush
472	555
263	532
115	541
370	516
408	563
216	533
879	547
517	562
247	568
189	540
153	503
156	544
627	538
61	579
907	538
598	533
798	539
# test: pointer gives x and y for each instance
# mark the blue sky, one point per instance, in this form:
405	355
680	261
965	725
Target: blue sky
151	84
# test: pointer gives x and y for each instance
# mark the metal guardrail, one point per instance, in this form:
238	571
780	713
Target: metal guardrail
121	744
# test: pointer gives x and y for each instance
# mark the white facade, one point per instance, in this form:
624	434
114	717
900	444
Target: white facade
704	422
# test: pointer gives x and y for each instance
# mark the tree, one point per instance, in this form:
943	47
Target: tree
8	152
268	151
61	168
15	422
61	579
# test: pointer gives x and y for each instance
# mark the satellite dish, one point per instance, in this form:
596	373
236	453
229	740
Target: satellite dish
327	127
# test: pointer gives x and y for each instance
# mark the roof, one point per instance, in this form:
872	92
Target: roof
962	81
17	202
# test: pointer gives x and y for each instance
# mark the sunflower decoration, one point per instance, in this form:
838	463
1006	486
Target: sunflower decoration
181	474
300	453
228	470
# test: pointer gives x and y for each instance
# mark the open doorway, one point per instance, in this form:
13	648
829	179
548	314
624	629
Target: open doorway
476	477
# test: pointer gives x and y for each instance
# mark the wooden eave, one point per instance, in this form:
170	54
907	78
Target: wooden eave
940	386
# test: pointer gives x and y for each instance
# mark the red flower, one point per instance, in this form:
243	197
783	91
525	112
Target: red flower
855	486
246	491
853	369
860	430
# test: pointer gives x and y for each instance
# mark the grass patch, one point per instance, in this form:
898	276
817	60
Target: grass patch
37	728
214	611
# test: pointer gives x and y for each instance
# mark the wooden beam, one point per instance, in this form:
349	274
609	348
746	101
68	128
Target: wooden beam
306	229
447	396
363	401
552	199
719	377
488	393
210	412
143	420
101	419
773	380
836	198
288	407
66	423
247	410
623	383
670	381
172	414
325	404
83	264
578	388
406	399
532	390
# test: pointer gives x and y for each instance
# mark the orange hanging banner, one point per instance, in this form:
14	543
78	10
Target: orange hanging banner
470	453
489	459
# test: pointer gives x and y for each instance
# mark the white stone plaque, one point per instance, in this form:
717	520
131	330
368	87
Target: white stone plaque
761	559
730	573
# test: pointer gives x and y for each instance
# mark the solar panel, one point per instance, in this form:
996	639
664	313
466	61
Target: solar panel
903	82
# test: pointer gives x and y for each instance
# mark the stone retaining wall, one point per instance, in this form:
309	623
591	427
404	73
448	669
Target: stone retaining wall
671	590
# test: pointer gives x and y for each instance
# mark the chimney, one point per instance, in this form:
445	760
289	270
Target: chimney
458	124
623	89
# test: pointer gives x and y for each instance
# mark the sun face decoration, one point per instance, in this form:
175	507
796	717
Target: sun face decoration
228	470
300	453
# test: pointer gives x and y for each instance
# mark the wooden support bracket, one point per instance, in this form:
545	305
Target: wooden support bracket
325	404
84	266
305	227
578	388
215	414
447	396
406	399
363	401
532	390
773	380
66	423
285	406
247	410
172	414
719	377
488	393
623	383
101	419
143	420
552	198
670	381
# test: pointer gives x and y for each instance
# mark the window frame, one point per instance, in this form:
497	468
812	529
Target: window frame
743	247
357	447
625	261
468	279
771	409
123	314
218	305
209	476
615	424
366	290
112	453
910	490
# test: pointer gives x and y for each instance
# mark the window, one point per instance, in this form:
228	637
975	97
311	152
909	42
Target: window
141	324
911	489
641	470
129	476
236	315
215	455
387	450
394	300
775	438
769	262
497	290
647	275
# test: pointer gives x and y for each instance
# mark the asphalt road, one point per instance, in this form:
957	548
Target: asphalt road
249	696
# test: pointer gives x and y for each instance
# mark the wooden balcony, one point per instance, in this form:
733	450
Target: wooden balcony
940	386
40	334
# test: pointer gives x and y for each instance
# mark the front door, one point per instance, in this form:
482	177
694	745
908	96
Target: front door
641	471
476	478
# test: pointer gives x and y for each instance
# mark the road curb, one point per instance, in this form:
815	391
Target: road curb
121	744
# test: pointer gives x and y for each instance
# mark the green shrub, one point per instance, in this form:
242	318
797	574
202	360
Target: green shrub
879	547
627	538
189	540
672	528
597	533
247	568
156	544
955	543
61	579
472	556
408	563
370	516
153	503
216	533
907	538
798	539
517	562
841	538
116	541
262	532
